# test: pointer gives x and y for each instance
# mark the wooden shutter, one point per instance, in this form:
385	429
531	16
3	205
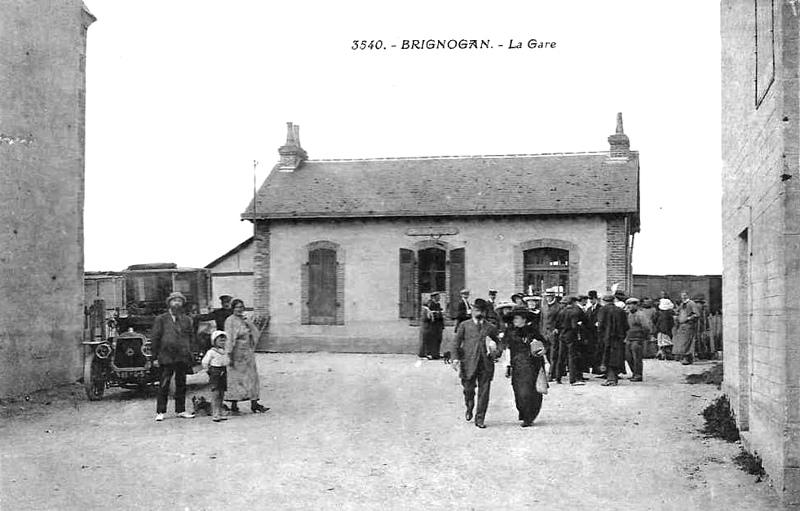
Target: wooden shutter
407	301
322	286
457	279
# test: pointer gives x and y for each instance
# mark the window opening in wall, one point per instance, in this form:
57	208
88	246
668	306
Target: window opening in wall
764	48
432	270
322	286
546	267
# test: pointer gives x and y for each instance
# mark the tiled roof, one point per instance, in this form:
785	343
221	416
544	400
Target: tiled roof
542	184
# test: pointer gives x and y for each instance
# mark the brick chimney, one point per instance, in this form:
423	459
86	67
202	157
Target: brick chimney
292	154
619	142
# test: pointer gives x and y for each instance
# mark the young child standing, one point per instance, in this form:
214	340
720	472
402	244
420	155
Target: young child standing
215	362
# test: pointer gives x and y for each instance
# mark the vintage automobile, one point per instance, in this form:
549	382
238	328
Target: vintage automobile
118	345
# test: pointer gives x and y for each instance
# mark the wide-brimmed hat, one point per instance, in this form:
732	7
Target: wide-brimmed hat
503	304
480	304
176	294
608	298
665	304
215	334
518	311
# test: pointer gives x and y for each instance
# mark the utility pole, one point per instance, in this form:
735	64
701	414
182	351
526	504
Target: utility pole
255	203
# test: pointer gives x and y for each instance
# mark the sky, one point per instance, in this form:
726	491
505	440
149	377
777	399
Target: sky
184	95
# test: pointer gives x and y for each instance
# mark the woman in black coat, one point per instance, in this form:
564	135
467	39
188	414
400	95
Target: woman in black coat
527	359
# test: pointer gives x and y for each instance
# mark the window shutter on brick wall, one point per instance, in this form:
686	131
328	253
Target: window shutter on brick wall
457	279
407	265
322	295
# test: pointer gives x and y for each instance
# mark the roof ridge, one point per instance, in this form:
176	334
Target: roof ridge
462	157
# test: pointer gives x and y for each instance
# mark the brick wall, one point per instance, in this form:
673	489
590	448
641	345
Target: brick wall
618	267
760	237
262	258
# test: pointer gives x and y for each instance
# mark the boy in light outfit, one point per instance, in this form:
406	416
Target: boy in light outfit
215	362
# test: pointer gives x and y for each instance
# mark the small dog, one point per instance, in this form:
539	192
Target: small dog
201	405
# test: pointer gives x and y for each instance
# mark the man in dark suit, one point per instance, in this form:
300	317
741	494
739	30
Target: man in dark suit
171	344
553	307
464	311
474	349
219	315
593	349
570	319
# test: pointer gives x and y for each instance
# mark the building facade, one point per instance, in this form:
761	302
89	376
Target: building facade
42	133
761	231
346	251
232	273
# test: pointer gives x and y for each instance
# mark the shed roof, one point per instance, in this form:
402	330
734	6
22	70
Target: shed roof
524	184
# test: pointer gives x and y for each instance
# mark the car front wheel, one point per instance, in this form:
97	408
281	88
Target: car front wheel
94	380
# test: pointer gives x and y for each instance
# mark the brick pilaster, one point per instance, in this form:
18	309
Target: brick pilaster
261	269
618	269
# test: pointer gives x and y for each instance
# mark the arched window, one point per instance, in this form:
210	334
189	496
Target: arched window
323	285
432	270
546	267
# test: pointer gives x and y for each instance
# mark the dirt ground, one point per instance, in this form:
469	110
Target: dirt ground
377	431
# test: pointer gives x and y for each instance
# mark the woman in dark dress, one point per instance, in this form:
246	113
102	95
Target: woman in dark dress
527	358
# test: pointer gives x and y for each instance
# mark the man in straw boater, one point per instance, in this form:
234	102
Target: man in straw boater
474	351
171	344
524	341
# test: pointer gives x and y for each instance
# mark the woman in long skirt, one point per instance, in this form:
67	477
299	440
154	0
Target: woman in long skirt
527	350
664	323
242	382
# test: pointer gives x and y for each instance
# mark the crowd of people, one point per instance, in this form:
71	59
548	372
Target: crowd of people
554	336
230	360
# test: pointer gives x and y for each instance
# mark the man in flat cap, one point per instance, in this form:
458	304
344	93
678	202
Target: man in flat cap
638	334
218	316
474	351
171	341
